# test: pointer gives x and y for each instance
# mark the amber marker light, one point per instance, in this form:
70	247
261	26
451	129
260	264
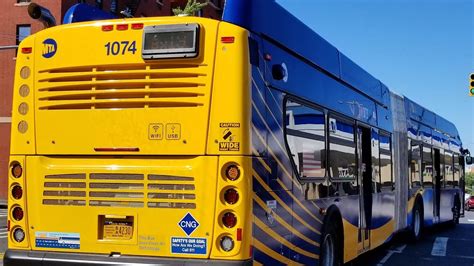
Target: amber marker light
17	170
232	172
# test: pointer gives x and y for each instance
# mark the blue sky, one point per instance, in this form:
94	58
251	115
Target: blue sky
423	49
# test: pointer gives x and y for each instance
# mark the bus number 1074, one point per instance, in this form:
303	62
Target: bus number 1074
120	47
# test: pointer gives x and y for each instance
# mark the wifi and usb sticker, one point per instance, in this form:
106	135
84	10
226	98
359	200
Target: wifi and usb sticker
172	131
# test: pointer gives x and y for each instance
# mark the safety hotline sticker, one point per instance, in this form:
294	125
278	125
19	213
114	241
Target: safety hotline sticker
188	245
58	240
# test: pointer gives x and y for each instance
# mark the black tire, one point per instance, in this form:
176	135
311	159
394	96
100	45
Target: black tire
416	226
331	243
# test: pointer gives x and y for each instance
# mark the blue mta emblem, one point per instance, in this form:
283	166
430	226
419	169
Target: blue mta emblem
49	48
188	224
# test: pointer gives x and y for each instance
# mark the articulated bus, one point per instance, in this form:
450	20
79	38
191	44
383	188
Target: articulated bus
185	140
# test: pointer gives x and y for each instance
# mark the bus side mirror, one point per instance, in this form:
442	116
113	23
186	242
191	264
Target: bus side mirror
468	160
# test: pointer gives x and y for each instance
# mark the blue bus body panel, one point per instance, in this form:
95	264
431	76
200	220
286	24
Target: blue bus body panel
269	20
85	12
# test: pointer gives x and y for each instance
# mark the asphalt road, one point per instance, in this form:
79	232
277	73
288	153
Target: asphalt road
441	245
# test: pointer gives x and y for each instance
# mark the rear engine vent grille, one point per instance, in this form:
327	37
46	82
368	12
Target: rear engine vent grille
120	190
122	86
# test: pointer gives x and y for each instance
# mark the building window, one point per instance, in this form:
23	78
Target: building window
23	1
22	31
305	136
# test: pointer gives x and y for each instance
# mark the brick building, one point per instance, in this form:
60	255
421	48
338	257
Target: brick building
16	25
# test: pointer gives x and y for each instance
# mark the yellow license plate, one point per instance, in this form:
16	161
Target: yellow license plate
118	231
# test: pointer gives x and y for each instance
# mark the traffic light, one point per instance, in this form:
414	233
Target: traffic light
471	85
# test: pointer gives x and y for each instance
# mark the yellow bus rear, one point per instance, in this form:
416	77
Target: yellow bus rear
128	150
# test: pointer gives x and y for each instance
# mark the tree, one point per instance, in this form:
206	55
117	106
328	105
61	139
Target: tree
190	9
469	182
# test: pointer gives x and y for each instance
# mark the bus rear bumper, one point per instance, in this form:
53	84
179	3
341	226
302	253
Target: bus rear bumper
33	258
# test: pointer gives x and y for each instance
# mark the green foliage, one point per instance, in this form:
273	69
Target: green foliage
190	9
469	183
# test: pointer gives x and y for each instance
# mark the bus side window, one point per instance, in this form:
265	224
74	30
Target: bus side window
386	178
457	170
376	185
342	158
427	166
448	169
415	165
306	141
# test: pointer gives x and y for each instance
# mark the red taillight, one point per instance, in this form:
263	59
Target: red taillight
122	27
232	172
26	50
228	39
137	26
17	171
17	213
107	27
229	220
17	192
231	196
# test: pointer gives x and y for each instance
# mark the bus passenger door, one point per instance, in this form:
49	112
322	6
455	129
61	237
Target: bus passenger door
437	179
365	180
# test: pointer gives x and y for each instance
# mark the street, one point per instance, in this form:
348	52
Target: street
441	245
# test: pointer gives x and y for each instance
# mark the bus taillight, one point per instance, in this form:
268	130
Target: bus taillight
232	172
17	192
17	213
18	234
17	170
231	196
227	244
229	219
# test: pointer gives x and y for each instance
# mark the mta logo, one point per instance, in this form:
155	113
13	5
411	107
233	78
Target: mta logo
49	48
188	224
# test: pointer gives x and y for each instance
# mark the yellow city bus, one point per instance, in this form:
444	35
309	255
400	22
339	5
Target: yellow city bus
185	140
115	152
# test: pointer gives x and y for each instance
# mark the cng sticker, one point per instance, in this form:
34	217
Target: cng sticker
49	48
188	224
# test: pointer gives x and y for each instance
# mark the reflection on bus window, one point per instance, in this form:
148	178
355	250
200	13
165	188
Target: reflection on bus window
385	163
448	169
457	170
305	135
415	165
427	167
376	186
343	168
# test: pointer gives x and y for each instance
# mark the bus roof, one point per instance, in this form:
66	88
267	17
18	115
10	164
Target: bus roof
270	20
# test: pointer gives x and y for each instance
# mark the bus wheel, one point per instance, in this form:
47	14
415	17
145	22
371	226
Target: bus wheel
331	246
417	222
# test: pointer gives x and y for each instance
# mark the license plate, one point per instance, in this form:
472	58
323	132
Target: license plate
118	231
